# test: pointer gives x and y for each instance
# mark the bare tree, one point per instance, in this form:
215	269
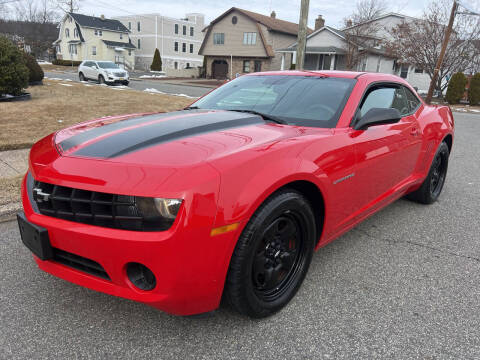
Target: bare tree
361	33
35	11
68	5
418	42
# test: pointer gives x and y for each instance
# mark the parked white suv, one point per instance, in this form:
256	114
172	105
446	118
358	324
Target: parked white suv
105	72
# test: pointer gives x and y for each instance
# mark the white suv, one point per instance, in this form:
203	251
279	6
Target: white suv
102	71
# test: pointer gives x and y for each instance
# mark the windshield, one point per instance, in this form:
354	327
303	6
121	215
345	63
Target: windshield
298	100
107	65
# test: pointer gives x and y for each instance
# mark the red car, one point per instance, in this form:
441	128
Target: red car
231	196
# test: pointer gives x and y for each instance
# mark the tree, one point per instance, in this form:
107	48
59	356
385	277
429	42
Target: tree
157	61
474	90
13	72
418	42
68	5
35	71
456	88
359	32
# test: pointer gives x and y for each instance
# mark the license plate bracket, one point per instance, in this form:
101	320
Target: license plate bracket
35	238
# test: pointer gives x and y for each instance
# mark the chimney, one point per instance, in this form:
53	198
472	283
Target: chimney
349	23
319	22
102	17
273	15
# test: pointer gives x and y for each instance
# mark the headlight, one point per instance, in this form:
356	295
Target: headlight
158	209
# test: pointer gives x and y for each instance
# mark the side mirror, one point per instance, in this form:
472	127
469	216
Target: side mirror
377	116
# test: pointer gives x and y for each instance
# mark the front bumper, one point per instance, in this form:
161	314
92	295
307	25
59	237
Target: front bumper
117	79
190	266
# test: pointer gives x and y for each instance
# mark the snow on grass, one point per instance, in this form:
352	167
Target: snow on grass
152	76
65	84
155	91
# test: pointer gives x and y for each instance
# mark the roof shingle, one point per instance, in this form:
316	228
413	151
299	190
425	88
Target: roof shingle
98	23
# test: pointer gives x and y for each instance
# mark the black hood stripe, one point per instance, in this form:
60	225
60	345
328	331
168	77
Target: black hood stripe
141	137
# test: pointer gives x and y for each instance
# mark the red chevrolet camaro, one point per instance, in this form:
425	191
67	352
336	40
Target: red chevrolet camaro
232	195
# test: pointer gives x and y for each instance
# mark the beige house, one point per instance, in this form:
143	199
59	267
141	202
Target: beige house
83	37
241	41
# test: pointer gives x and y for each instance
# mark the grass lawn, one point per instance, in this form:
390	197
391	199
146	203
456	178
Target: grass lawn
54	106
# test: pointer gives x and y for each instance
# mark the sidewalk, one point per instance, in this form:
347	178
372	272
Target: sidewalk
13	165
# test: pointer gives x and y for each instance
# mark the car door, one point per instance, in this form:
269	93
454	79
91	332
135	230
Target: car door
87	69
385	154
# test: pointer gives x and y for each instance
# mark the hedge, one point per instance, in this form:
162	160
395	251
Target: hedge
456	88
66	62
35	71
474	90
13	71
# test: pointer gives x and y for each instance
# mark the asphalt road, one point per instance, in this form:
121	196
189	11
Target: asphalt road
160	85
404	284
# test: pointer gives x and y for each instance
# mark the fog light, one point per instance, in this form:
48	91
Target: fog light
141	276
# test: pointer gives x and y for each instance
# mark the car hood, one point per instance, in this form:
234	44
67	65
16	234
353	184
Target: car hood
174	139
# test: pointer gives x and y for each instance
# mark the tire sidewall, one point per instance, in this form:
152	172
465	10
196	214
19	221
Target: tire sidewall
441	151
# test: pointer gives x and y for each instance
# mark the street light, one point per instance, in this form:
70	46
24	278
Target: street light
448	31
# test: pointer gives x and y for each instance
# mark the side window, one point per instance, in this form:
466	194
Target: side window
412	100
385	97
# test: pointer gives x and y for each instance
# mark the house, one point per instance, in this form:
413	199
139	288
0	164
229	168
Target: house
328	48
84	37
241	41
178	40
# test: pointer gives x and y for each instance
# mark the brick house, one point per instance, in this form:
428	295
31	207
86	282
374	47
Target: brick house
241	41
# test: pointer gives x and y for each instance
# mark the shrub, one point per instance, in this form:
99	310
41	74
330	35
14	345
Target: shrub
474	90
157	62
66	62
13	72
35	71
456	88
293	66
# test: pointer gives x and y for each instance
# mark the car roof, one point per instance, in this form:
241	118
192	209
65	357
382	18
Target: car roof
333	73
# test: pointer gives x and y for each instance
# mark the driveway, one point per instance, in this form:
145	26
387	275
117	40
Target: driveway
403	284
142	85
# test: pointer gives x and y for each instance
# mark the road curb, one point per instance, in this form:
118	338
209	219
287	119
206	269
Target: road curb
9	211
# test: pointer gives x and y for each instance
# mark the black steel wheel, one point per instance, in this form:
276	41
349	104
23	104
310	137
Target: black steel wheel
432	186
272	255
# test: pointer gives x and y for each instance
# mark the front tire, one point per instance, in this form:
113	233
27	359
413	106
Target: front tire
81	77
272	255
101	79
432	186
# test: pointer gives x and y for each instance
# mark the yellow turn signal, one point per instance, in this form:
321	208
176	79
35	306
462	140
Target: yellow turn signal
224	229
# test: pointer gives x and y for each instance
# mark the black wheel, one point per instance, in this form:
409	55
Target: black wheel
101	79
125	83
272	255
432	186
81	77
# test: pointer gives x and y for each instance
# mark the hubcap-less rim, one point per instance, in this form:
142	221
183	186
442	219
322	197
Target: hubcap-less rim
438	175
278	256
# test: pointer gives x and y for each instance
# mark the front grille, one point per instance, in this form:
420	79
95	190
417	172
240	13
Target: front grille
122	74
90	207
79	263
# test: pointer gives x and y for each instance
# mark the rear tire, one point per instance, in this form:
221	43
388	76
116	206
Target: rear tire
272	255
432	186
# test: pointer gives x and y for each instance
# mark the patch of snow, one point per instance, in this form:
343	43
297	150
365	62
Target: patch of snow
56	79
151	76
152	90
87	85
66	84
60	121
41	62
67	79
473	110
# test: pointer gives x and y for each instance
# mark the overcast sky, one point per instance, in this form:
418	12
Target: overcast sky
333	11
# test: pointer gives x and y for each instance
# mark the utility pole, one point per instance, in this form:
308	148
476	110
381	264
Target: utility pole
302	34
433	82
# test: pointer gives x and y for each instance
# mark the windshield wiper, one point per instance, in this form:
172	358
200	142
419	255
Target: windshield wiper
264	116
191	108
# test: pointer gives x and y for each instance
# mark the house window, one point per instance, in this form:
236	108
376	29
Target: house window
187	66
175	65
176	28
67	32
249	38
176	46
191	48
184	47
246	66
418	70
258	65
72	49
99	32
138	25
129	25
129	52
75	32
404	71
96	32
94	50
184	30
191	30
138	44
218	38
121	36
69	19
58	49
